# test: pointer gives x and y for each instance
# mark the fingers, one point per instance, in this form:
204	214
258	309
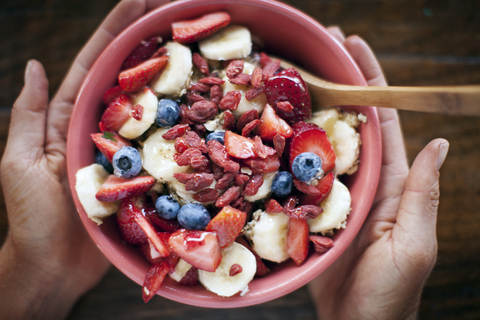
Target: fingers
337	34
26	135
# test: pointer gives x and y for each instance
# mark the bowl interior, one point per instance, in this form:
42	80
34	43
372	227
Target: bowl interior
286	33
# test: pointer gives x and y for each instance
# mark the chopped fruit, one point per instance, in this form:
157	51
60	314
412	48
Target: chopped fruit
137	112
312	139
152	235
129	228
268	165
154	279
115	188
307	167
289	86
111	94
272	124
227	224
127	162
109	143
297	240
194	30
235	269
134	79
193	216
167	207
218	136
238	146
117	113
164	224
150	253
190	278
168	113
198	248
324	187
145	50
261	267
321	244
272	206
282	184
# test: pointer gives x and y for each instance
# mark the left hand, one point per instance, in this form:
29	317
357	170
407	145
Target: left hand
48	260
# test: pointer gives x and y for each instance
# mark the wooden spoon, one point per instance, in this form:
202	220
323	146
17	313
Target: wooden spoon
455	100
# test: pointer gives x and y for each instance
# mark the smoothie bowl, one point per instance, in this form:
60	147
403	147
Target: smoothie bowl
227	190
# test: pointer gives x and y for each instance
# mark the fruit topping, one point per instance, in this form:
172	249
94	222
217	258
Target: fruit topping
168	113
127	162
109	143
129	228
103	161
323	187
282	184
194	30
227	224
117	113
167	207
232	42
154	279
193	216
217	136
145	50
134	79
238	146
307	167
116	188
273	125
297	240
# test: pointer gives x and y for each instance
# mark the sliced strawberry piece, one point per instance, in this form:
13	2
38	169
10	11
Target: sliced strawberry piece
134	79
194	30
164	224
273	124
152	235
116	188
312	139
238	146
117	113
109	142
227	224
142	52
129	229
297	240
153	280
272	206
261	267
199	248
149	252
111	94
190	278
289	86
324	186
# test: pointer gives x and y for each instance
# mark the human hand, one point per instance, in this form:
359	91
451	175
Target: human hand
48	260
383	271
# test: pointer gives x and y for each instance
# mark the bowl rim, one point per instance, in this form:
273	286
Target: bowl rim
303	277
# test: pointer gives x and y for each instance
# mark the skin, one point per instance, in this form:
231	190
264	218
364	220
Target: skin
48	260
382	273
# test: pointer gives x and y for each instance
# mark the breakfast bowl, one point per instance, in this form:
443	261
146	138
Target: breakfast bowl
284	32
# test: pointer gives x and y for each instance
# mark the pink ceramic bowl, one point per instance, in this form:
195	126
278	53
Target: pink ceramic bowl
287	33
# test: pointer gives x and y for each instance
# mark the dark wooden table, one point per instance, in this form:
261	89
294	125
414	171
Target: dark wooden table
418	42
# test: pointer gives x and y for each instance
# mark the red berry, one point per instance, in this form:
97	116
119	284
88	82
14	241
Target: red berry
194	30
227	224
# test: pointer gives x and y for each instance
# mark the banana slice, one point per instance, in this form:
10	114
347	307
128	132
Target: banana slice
335	207
220	281
89	180
265	189
158	157
346	142
176	75
232	42
181	270
325	119
133	128
257	103
268	234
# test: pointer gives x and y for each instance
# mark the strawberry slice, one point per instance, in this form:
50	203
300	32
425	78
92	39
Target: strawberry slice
311	138
289	86
261	267
273	124
164	224
152	235
190	278
149	252
199	248
116	188
129	229
194	30
297	240
238	146
324	186
111	94
142	52
117	113
227	224
109	142
154	279
134	79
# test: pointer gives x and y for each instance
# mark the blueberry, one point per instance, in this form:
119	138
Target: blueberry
167	207
307	166
193	216
102	160
282	184
167	113
218	136
127	162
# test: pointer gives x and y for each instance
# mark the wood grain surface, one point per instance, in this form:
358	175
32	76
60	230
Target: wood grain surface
418	42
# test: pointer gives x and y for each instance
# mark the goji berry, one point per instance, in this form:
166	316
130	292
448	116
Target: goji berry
176	131
252	185
217	171
240	179
242	79
194	141
181	145
199	181
262	150
183	177
202	111
320	243
137	112
254	92
184	159
212	80
230	100
206	195
279	144
234	68
183	118
200	87
228	197
200	164
235	269
251	127
193	97
200	63
216	94
228	120
305	188
272	206
257	77
225	181
247	117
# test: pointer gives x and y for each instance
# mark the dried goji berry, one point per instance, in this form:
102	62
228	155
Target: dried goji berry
235	269
184	159
240	179
206	195
199	181
305	188
228	120
200	87
183	177
231	166
272	206
251	127
193	97
247	117
230	100
181	145
257	77
183	118
254	92
285	106
200	63
264	59
225	181
216	94
320	243
270	68
200	164
194	141
176	131
137	112
234	68
217	171
262	150
202	111
252	185
279	144
242	79
212	80
228	197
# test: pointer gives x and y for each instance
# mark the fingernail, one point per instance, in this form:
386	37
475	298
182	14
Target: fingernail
442	154
27	70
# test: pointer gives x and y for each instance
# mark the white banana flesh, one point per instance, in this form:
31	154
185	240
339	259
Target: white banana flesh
158	157
232	42
325	119
220	281
258	103
88	181
181	270
346	142
265	190
175	78
133	128
268	234
336	208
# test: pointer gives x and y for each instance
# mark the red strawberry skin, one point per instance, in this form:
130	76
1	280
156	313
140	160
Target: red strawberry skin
110	144
154	279
194	30
111	94
117	112
311	138
129	229
297	240
190	278
134	79
324	186
227	224
273	124
142	52
116	188
289	86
